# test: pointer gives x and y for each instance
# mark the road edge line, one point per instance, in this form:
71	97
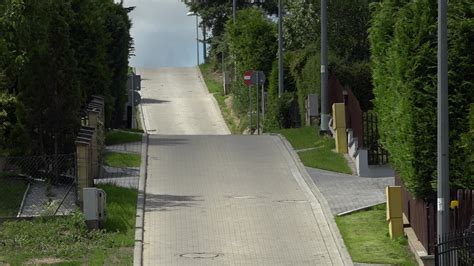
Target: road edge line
329	217
140	214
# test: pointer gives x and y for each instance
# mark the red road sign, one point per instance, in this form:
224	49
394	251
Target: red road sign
248	78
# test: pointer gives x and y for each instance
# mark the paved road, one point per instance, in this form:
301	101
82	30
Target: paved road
176	101
214	199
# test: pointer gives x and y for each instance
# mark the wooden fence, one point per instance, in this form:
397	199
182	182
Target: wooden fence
421	213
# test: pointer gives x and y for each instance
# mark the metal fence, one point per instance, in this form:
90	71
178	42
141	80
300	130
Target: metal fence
51	178
54	169
455	249
376	153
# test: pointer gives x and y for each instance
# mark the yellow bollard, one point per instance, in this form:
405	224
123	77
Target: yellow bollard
394	211
339	126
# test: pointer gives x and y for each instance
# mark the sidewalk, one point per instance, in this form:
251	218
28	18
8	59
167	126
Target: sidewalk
126	177
346	193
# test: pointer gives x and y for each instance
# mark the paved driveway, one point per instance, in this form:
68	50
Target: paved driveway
218	199
176	101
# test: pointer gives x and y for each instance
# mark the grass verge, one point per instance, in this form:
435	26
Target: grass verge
366	236
66	241
321	156
11	194
119	159
120	137
216	88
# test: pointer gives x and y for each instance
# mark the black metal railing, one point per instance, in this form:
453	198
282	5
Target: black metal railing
456	249
376	153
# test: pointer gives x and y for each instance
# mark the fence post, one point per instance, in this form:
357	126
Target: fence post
394	211
339	126
82	163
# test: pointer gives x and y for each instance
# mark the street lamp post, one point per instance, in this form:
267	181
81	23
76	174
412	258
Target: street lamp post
324	68
234	9
197	34
443	126
280	49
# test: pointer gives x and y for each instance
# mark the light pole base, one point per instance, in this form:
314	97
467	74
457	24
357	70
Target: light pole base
324	127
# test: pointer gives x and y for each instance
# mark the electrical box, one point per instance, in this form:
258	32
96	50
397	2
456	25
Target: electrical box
95	209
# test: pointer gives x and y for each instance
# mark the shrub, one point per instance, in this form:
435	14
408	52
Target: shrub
404	47
252	44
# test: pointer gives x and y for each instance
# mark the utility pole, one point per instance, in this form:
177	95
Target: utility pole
280	49
324	68
204	41
197	38
234	9
443	125
133	100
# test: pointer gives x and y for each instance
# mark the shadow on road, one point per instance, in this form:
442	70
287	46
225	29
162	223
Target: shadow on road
167	141
152	101
163	202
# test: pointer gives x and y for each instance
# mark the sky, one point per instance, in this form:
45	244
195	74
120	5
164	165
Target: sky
163	34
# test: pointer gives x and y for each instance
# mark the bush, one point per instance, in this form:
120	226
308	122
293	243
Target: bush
252	44
282	112
404	47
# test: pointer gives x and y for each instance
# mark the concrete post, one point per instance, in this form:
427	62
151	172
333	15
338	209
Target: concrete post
339	126
394	211
82	164
89	133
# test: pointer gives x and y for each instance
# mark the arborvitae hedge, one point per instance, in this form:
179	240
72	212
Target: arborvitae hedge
403	39
53	56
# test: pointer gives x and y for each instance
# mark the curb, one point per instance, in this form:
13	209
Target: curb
140	216
308	183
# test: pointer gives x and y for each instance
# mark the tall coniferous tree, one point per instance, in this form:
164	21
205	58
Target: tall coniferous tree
49	97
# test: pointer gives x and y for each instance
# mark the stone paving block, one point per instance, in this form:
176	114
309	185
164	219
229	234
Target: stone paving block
229	200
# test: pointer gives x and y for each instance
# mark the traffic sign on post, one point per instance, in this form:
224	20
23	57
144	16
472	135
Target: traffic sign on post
258	77
248	77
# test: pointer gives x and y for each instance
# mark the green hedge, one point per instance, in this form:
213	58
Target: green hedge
404	48
252	44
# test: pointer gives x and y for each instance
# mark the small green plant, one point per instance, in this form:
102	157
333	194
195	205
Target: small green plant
67	240
366	236
121	137
11	194
320	154
118	159
215	87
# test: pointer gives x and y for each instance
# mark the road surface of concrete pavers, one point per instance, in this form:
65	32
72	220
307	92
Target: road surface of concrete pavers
175	101
224	200
231	200
346	193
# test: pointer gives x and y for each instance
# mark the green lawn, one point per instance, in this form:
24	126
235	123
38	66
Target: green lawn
11	195
65	240
322	156
216	88
366	236
121	136
119	159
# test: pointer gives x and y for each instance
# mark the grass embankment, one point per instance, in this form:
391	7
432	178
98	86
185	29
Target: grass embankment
366	236
320	154
11	194
123	136
216	88
119	159
66	241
